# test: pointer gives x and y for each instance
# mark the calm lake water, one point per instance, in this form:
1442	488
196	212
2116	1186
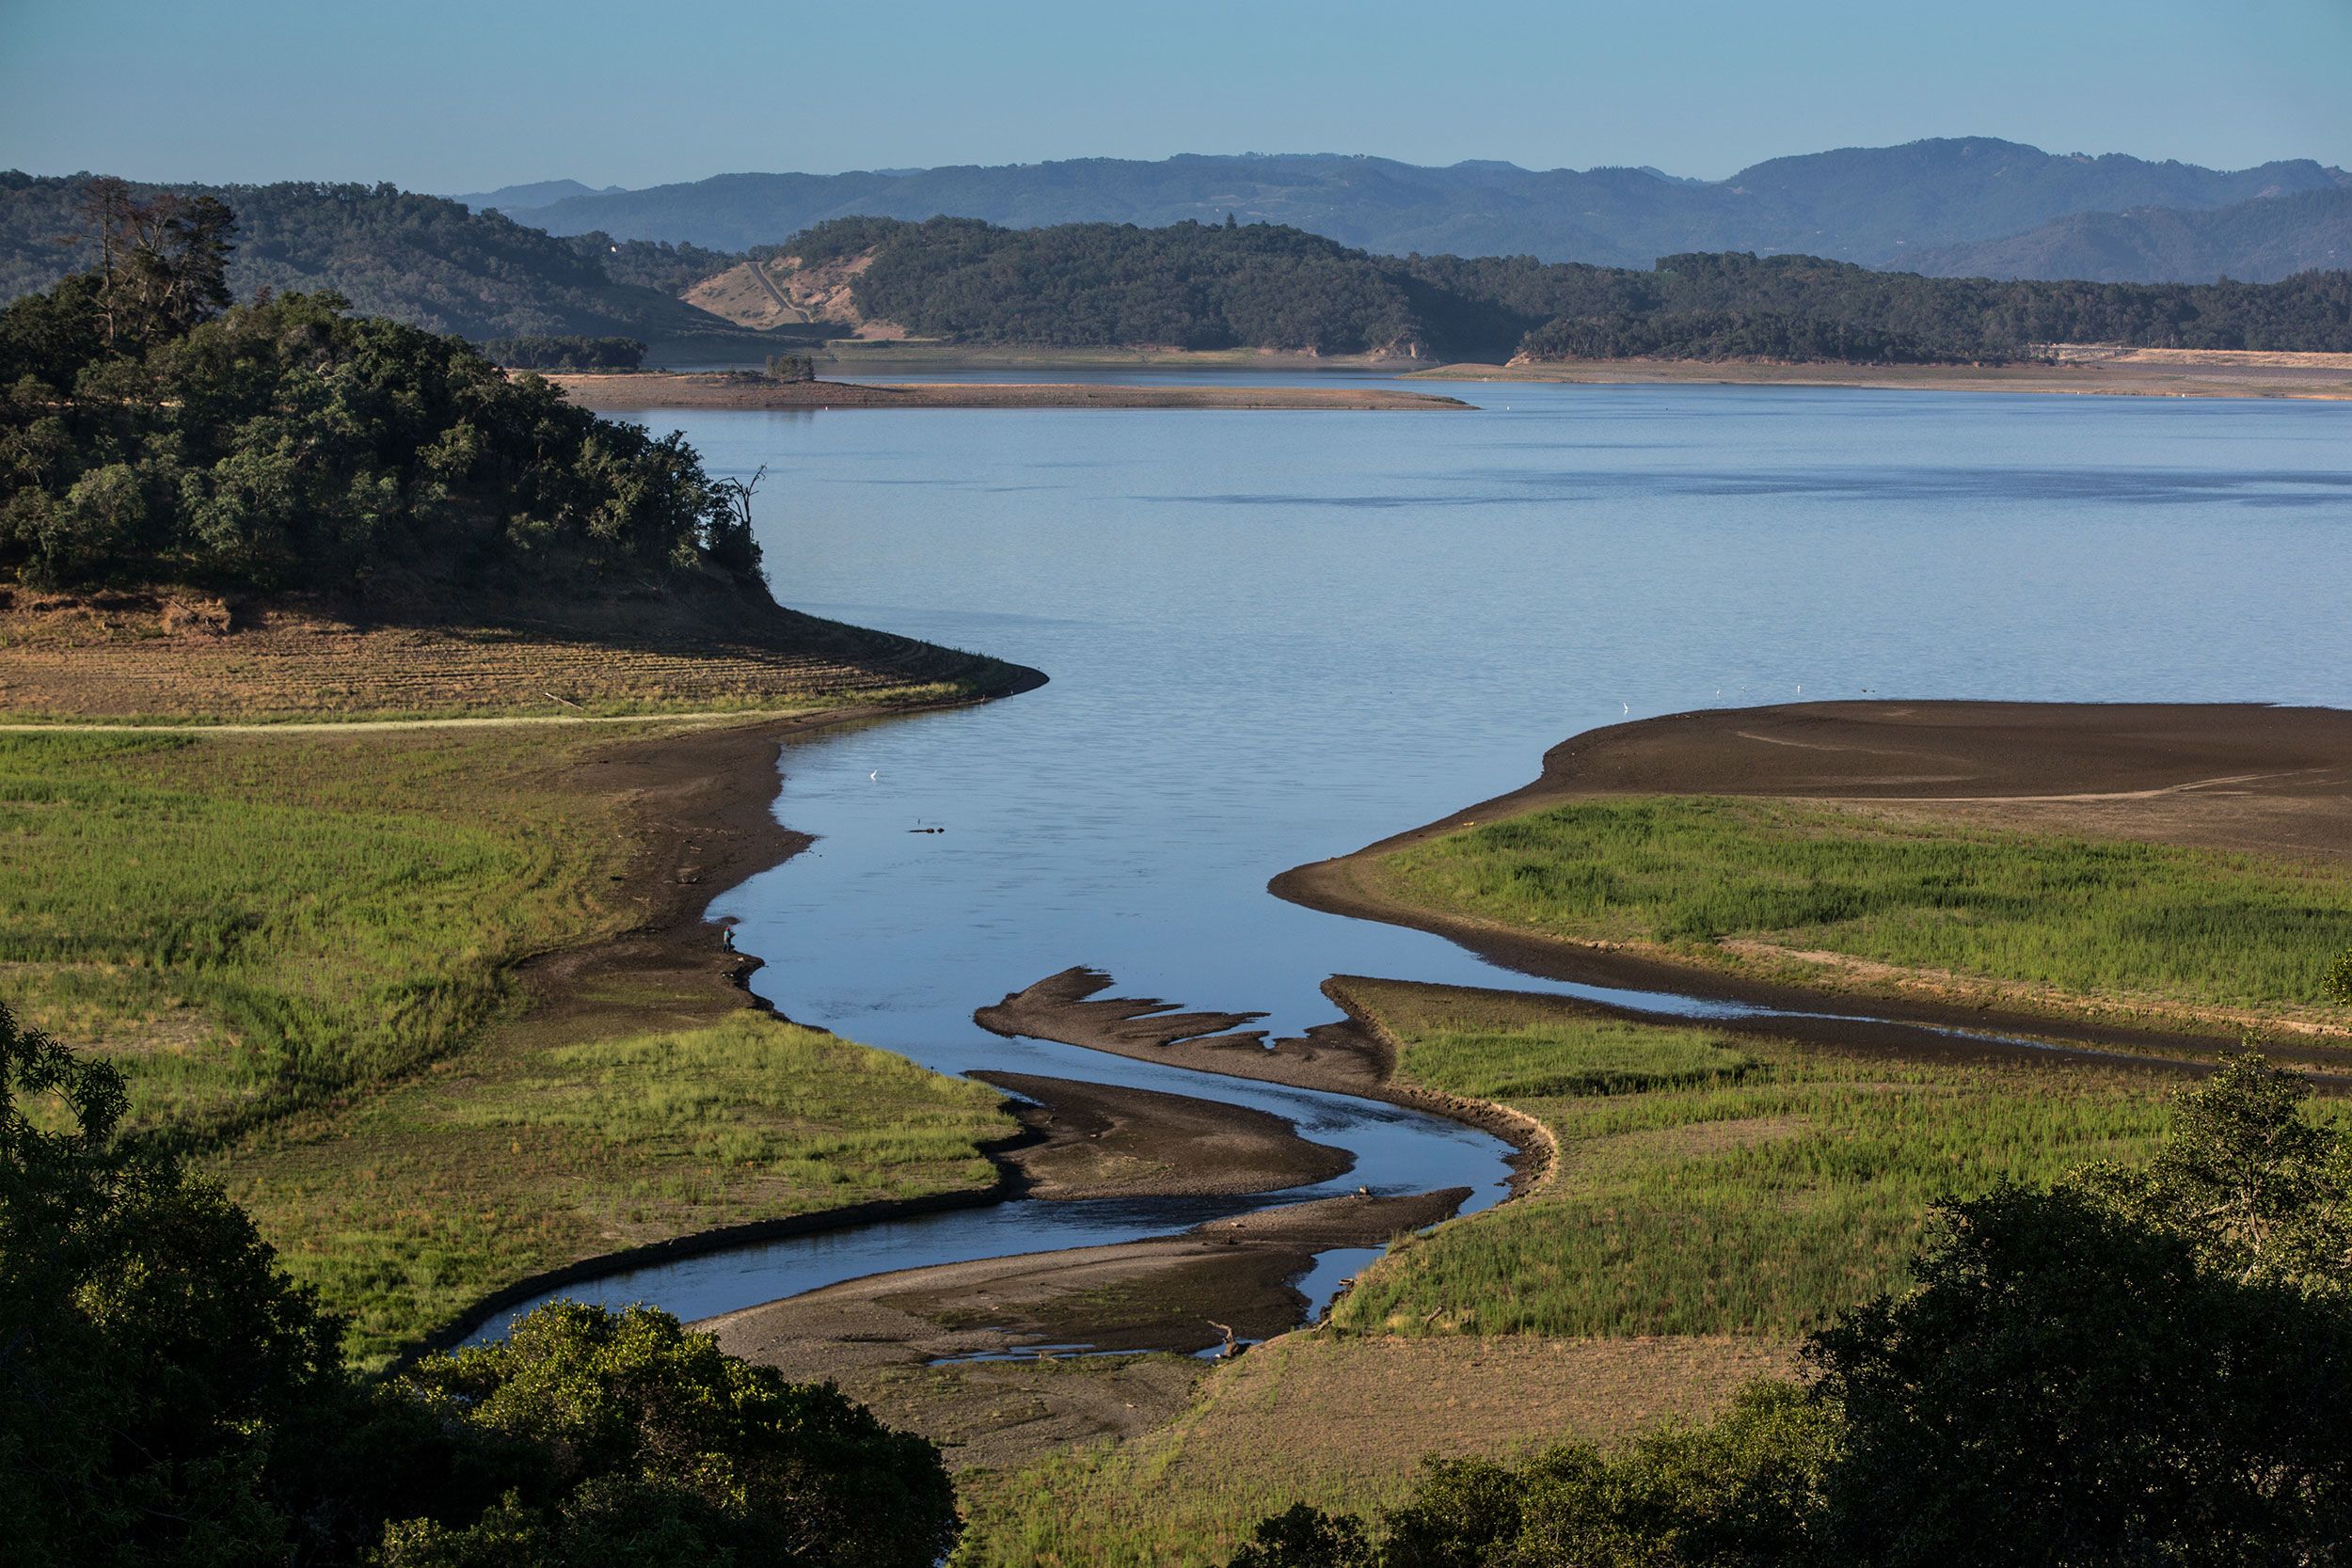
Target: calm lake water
1274	636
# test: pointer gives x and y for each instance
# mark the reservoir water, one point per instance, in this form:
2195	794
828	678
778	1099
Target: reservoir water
1277	636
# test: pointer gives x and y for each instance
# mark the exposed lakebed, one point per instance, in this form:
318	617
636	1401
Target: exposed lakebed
1275	639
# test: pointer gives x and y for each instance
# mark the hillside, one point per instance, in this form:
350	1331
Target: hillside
2260	241
418	260
1876	206
1204	286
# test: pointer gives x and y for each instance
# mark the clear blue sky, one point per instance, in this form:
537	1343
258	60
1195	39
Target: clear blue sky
454	96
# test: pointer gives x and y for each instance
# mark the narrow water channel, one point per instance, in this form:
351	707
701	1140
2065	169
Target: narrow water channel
1277	636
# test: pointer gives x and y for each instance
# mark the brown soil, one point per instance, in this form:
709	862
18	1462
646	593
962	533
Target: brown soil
905	1343
168	653
725	390
1180	1292
1102	1140
2269	780
1352	1056
2137	374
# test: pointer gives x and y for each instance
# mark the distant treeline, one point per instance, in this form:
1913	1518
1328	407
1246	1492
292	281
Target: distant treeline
565	352
152	432
1260	285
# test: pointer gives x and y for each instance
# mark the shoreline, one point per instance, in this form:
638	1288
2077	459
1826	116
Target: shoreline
2143	759
2120	376
651	389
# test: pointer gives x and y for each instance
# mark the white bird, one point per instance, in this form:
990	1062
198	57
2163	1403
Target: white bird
875	774
1625	707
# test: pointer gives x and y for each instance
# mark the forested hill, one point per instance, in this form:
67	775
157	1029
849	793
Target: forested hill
1259	285
420	259
152	432
1881	206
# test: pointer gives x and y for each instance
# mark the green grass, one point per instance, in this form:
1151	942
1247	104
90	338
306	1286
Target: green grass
249	926
2095	919
521	1156
300	950
1784	1184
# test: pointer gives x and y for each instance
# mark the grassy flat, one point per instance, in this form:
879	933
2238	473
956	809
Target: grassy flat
1710	1201
543	1146
316	956
1868	895
1704	1186
1338	1423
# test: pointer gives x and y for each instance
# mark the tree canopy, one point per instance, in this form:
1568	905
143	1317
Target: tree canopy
169	1397
1204	286
147	435
2134	1366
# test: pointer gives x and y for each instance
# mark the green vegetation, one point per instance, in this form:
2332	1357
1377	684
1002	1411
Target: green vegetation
1207	287
2128	1365
300	950
587	1439
2097	920
565	352
546	1143
1705	1187
268	925
417	259
288	445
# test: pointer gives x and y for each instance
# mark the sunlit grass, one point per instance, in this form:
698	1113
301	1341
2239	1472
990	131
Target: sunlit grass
300	950
251	926
2091	918
518	1157
1761	1200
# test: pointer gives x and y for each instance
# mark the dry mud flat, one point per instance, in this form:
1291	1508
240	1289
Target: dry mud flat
657	390
951	1350
2240	777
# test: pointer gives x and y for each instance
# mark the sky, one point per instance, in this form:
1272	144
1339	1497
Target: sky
465	97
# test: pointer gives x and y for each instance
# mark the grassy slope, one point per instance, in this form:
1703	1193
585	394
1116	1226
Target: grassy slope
301	948
1761	886
1711	1203
1707	1188
1341	1423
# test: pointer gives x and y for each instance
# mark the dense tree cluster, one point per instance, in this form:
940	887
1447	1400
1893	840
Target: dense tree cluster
564	351
1728	335
145	434
169	1397
652	263
1219	286
1097	284
420	259
2132	1366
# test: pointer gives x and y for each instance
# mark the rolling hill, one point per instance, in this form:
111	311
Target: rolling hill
2260	242
1875	206
421	259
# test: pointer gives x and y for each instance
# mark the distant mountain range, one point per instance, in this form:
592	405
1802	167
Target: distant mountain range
1952	207
2255	242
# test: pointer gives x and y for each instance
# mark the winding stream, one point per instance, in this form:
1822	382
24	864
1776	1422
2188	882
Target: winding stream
1274	636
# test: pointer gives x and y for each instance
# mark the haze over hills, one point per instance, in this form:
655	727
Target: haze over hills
516	199
1894	206
2256	242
